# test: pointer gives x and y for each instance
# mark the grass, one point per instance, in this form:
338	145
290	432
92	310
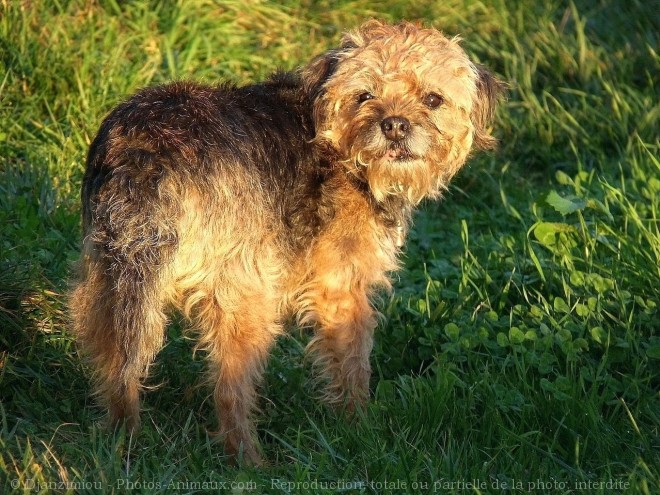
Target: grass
521	350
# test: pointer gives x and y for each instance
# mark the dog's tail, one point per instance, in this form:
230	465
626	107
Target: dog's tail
129	239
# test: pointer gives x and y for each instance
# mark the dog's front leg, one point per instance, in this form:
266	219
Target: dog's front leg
343	341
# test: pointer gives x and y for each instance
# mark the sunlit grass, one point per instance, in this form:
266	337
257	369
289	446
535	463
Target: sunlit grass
521	344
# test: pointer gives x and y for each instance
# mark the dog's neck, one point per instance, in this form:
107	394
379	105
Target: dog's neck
394	211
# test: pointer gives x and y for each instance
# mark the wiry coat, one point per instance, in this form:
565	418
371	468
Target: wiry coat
242	205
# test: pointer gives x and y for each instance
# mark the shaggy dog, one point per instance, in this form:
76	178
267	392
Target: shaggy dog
242	206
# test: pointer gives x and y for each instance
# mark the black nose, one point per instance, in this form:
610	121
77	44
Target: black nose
395	128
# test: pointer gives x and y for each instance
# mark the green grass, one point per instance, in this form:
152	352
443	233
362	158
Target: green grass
521	350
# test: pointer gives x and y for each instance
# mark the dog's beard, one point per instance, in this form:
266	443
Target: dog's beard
395	168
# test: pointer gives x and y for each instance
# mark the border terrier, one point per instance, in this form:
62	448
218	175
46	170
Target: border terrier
243	206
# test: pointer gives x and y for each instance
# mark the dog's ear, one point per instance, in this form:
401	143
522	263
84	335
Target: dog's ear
318	71
489	91
314	78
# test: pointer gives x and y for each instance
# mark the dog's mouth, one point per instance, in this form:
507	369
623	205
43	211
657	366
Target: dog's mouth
398	153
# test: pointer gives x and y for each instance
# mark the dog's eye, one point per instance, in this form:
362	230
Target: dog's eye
364	97
433	100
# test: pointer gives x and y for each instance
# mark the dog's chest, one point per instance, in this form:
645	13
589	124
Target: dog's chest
356	246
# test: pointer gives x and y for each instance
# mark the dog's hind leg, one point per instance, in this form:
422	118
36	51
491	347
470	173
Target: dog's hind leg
238	321
238	341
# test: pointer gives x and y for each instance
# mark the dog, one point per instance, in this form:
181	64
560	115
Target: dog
243	206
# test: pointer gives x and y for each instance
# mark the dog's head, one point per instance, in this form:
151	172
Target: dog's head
402	106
